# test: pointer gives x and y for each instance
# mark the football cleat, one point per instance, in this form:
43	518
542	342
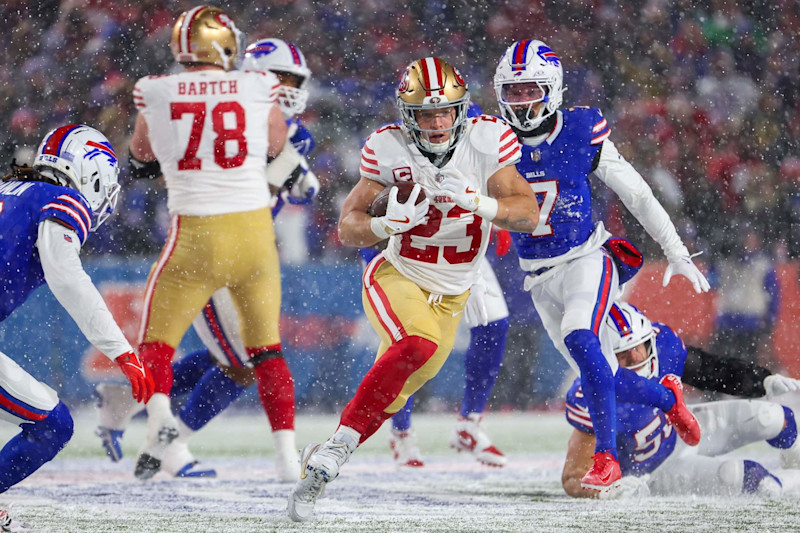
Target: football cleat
405	448
468	436
319	465
287	460
680	416
111	440
162	429
605	474
115	407
179	461
9	524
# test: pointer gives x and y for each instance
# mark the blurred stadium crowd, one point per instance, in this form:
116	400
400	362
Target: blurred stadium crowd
703	97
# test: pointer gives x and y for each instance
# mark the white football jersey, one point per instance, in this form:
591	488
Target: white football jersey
209	131
444	255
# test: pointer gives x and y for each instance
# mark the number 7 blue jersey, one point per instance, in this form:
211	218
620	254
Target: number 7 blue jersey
558	171
23	206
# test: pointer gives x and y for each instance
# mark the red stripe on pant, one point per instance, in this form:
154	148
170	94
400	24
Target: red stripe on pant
158	358
383	383
275	389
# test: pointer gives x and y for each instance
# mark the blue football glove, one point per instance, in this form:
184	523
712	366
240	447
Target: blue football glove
111	441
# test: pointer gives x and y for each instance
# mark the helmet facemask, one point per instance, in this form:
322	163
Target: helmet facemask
629	329
283	59
422	137
82	158
529	62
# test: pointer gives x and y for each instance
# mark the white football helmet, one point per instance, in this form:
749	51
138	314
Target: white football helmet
281	57
529	61
629	328
81	157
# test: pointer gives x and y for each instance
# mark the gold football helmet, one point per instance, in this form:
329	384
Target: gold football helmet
432	83
207	35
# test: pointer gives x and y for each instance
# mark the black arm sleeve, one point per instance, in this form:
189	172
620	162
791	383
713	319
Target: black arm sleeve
148	170
722	374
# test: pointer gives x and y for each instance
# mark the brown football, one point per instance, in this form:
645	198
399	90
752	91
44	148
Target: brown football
378	206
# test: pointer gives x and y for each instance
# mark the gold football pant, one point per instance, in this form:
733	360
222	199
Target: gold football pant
203	254
398	308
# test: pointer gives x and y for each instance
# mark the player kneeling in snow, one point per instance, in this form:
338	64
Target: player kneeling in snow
651	457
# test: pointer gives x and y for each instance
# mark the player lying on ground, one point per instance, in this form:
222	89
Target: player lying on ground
572	277
415	291
216	376
46	214
651	457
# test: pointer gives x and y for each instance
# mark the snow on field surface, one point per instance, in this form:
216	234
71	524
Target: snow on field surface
82	491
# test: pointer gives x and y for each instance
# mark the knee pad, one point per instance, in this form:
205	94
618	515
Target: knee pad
52	432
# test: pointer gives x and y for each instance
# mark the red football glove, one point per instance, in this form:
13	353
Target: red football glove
503	244
142	385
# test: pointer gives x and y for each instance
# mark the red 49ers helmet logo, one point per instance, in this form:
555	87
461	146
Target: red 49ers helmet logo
459	80
404	83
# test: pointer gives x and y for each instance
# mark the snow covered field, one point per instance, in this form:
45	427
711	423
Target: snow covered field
83	491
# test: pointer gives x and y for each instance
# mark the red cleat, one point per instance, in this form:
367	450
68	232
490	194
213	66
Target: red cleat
604	475
680	416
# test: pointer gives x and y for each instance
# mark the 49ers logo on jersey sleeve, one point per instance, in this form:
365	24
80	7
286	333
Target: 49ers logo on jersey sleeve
402	174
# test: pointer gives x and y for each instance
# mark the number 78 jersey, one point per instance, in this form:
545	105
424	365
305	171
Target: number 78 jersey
443	255
209	131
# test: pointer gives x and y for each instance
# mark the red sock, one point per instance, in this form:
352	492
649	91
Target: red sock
276	391
158	358
382	384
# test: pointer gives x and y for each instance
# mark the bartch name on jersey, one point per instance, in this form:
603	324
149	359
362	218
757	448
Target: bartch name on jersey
212	87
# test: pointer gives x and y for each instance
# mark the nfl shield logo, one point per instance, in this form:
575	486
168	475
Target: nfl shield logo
536	155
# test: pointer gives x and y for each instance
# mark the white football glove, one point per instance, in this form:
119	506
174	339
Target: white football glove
475	311
466	195
684	266
777	385
628	488
304	189
401	217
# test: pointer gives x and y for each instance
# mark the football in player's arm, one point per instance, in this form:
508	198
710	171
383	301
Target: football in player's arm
414	293
47	213
650	457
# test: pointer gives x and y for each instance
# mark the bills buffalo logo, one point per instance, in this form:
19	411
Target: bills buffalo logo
261	49
404	83
402	174
103	149
547	55
459	79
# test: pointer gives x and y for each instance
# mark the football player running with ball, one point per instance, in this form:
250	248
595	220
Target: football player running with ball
572	277
415	291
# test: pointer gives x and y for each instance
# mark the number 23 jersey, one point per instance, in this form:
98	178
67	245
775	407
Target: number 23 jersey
209	131
443	255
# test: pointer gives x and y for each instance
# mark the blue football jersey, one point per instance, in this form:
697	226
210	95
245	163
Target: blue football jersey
558	172
644	437
23	205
